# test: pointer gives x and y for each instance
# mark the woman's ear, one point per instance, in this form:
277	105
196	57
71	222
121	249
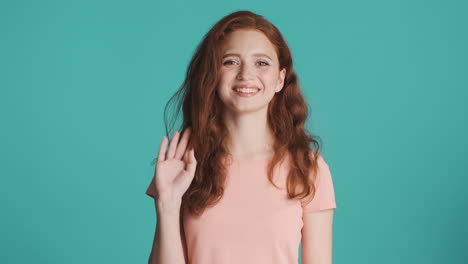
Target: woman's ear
282	75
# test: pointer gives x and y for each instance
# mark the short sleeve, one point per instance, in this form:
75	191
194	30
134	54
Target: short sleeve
324	194
151	191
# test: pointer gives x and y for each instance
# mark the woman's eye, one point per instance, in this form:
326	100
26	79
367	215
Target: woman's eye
228	62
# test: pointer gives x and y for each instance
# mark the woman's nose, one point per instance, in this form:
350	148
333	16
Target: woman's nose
245	72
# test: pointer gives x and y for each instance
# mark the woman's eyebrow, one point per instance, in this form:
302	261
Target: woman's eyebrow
253	55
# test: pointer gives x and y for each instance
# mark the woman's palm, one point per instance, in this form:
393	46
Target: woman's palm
175	168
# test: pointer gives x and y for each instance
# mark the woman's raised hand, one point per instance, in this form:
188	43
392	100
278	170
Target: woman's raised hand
175	168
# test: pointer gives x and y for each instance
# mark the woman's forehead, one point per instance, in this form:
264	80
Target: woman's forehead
250	43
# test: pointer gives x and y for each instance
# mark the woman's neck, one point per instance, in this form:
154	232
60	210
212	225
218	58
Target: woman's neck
251	137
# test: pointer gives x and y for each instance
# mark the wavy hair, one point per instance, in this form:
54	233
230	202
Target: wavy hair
202	111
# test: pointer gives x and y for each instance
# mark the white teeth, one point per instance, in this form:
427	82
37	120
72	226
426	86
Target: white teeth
246	90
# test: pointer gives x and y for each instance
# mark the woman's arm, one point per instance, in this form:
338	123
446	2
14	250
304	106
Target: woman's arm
173	175
317	237
168	241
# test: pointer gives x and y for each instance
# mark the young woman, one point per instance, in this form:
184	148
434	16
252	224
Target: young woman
243	183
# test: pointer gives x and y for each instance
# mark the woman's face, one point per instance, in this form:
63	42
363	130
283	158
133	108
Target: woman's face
250	64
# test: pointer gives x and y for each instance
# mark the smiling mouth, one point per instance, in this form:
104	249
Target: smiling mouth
246	90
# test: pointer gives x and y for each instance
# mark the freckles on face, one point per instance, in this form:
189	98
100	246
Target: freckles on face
249	60
249	57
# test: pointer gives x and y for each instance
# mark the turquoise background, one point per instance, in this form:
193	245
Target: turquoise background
84	83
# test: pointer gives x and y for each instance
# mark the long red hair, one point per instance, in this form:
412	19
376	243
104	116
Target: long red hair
202	111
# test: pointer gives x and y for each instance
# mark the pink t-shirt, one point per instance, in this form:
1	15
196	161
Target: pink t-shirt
254	222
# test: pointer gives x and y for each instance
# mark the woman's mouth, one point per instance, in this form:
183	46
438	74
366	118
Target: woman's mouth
246	92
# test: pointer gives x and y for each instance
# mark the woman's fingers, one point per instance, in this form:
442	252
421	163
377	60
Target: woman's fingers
162	149
183	144
173	145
